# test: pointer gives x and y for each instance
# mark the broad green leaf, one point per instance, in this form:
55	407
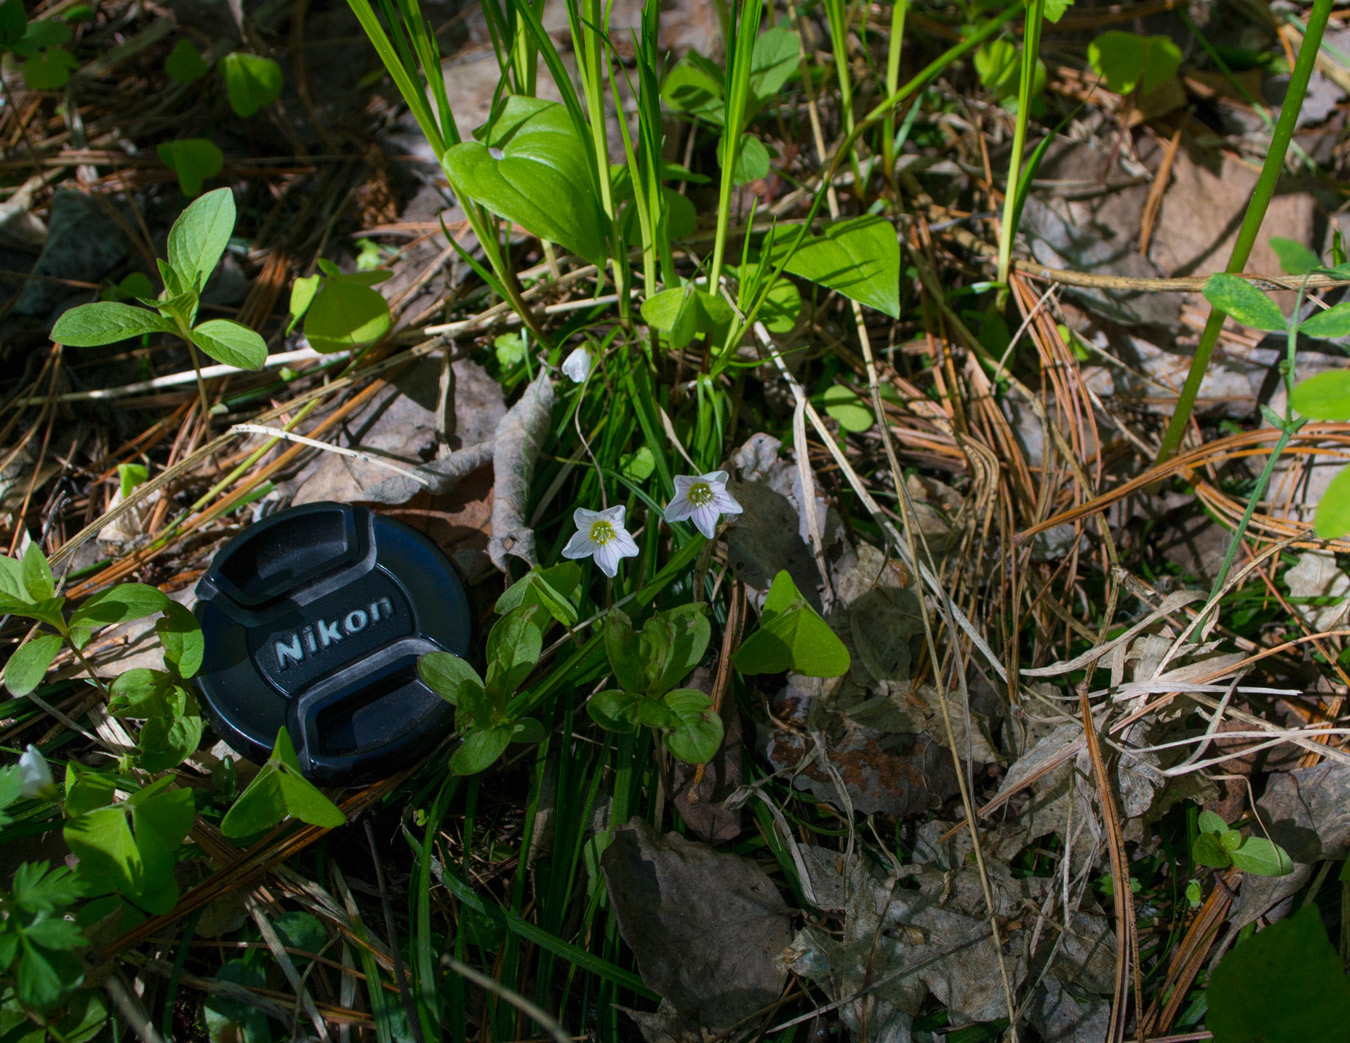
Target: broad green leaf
231	343
554	589
38	580
513	648
1323	396
1262	857
165	742
129	476
184	63
623	651
1209	852
772	64
87	790
193	160
654	713
161	819
305	802
1295	258
302	295
682	312
614	709
106	322
40	35
541	181
1286	984
859	258
251	81
1333	511
782	305
48	611
138	692
1054	9
231	1020
134	286
1333	322
752	159
996	64
44	976
198	239
528	731
698	735
480	750
1243	302
1230	840
181	637
1127	60
344	316
260	807
11	578
687	633
444	673
791	636
845	406
694	87
1208	822
473	708
301	930
120	604
50	70
28	664
101	839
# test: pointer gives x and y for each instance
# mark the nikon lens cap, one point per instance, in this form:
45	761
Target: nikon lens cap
314	618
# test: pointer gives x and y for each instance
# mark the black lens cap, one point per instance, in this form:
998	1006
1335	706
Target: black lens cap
314	618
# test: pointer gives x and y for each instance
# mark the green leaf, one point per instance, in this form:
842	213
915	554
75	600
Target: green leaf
845	406
444	673
182	639
119	604
258	808
40	891
1262	857
1295	258
1209	852
513	648
782	305
752	159
528	731
1244	303
1333	322
251	81
1126	60
28	664
46	977
480	750
996	64
1285	984
698	734
1230	840
1323	396
859	258
473	708
50	70
13	23
694	87
231	1020
166	741
305	802
345	316
11	578
40	35
555	589
686	637
54	933
1333	511
1054	9
772	64
637	659
105	322
279	790
193	160
101	839
46	611
184	63
198	239
614	709
1208	822
682	312
38	580
791	636
302	295
231	343
542	181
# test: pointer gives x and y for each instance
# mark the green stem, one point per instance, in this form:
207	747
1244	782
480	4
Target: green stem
1031	44
898	11
1251	222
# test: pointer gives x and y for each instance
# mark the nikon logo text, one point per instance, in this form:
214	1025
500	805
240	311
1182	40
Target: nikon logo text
310	641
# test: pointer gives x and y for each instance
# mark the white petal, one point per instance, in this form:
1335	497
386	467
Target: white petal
725	502
580	545
614	516
625	546
679	509
582	518
607	557
683	482
35	775
577	365
717	479
705	520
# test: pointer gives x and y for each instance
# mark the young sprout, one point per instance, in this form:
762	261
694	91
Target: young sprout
578	364
601	535
702	499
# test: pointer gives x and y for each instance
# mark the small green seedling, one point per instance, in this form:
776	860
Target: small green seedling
197	242
998	65
1127	61
341	310
483	714
791	636
251	81
1219	847
277	791
185	63
46	64
37	942
194	160
648	664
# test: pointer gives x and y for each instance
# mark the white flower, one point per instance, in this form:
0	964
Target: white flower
578	364
600	534
35	776
702	499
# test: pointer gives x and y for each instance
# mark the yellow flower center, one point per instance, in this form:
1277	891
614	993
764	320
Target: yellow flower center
601	532
700	494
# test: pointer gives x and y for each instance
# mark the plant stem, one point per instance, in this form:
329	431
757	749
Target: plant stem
1251	223
1007	231
898	11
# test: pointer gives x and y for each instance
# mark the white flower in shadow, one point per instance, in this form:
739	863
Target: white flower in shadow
702	499
601	535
